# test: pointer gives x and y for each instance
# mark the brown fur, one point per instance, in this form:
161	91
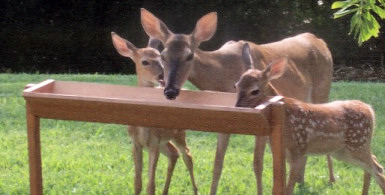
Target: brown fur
154	139
308	77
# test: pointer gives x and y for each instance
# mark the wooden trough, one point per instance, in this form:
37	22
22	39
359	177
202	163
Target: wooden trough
137	106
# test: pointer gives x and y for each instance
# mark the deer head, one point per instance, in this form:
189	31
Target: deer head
147	60
254	85
178	53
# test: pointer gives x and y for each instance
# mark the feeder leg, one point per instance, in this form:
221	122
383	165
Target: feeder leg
35	172
279	172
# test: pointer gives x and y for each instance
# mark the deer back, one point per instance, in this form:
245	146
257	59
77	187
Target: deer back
310	65
327	128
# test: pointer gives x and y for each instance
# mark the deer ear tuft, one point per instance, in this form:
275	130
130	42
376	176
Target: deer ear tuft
205	27
246	57
124	47
154	43
276	68
153	26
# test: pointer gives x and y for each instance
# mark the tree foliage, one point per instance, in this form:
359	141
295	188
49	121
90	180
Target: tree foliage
363	23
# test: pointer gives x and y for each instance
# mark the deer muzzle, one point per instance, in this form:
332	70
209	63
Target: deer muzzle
171	93
241	103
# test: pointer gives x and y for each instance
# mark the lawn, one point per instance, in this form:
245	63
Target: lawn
90	158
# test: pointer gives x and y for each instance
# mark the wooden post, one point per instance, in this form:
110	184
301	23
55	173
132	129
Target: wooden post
279	172
34	153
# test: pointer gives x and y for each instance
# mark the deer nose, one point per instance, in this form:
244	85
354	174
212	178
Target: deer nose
171	93
239	103
242	101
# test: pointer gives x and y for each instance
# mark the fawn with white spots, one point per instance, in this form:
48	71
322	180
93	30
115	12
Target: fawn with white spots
150	73
342	129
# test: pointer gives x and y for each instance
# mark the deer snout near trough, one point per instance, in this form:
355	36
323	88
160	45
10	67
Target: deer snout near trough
171	93
342	129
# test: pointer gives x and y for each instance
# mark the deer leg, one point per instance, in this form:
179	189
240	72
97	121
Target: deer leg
153	160
374	169
368	162
332	179
137	152
259	150
378	173
300	171
222	143
296	163
172	153
180	141
365	188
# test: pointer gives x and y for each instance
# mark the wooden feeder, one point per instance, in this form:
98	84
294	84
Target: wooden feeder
138	106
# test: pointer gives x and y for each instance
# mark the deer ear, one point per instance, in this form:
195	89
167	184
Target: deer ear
154	43
275	69
246	56
205	27
153	26
124	47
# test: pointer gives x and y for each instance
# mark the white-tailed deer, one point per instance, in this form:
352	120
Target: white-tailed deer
308	77
150	73
342	129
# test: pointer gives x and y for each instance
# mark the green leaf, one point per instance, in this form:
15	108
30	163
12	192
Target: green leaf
371	4
379	11
368	29
366	6
364	33
339	4
363	25
373	25
344	4
355	30
341	12
355	22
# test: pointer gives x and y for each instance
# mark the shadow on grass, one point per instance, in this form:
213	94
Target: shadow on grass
309	189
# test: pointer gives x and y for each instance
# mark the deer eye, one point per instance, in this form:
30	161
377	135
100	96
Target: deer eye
190	57
145	63
255	92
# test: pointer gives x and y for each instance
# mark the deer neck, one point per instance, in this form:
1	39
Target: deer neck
145	83
271	90
142	82
211	71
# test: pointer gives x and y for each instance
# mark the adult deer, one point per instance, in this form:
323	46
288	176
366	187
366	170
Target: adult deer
308	77
342	129
149	74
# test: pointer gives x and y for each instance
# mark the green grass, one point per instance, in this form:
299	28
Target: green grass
90	158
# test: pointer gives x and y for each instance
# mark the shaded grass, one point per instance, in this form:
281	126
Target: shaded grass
91	158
